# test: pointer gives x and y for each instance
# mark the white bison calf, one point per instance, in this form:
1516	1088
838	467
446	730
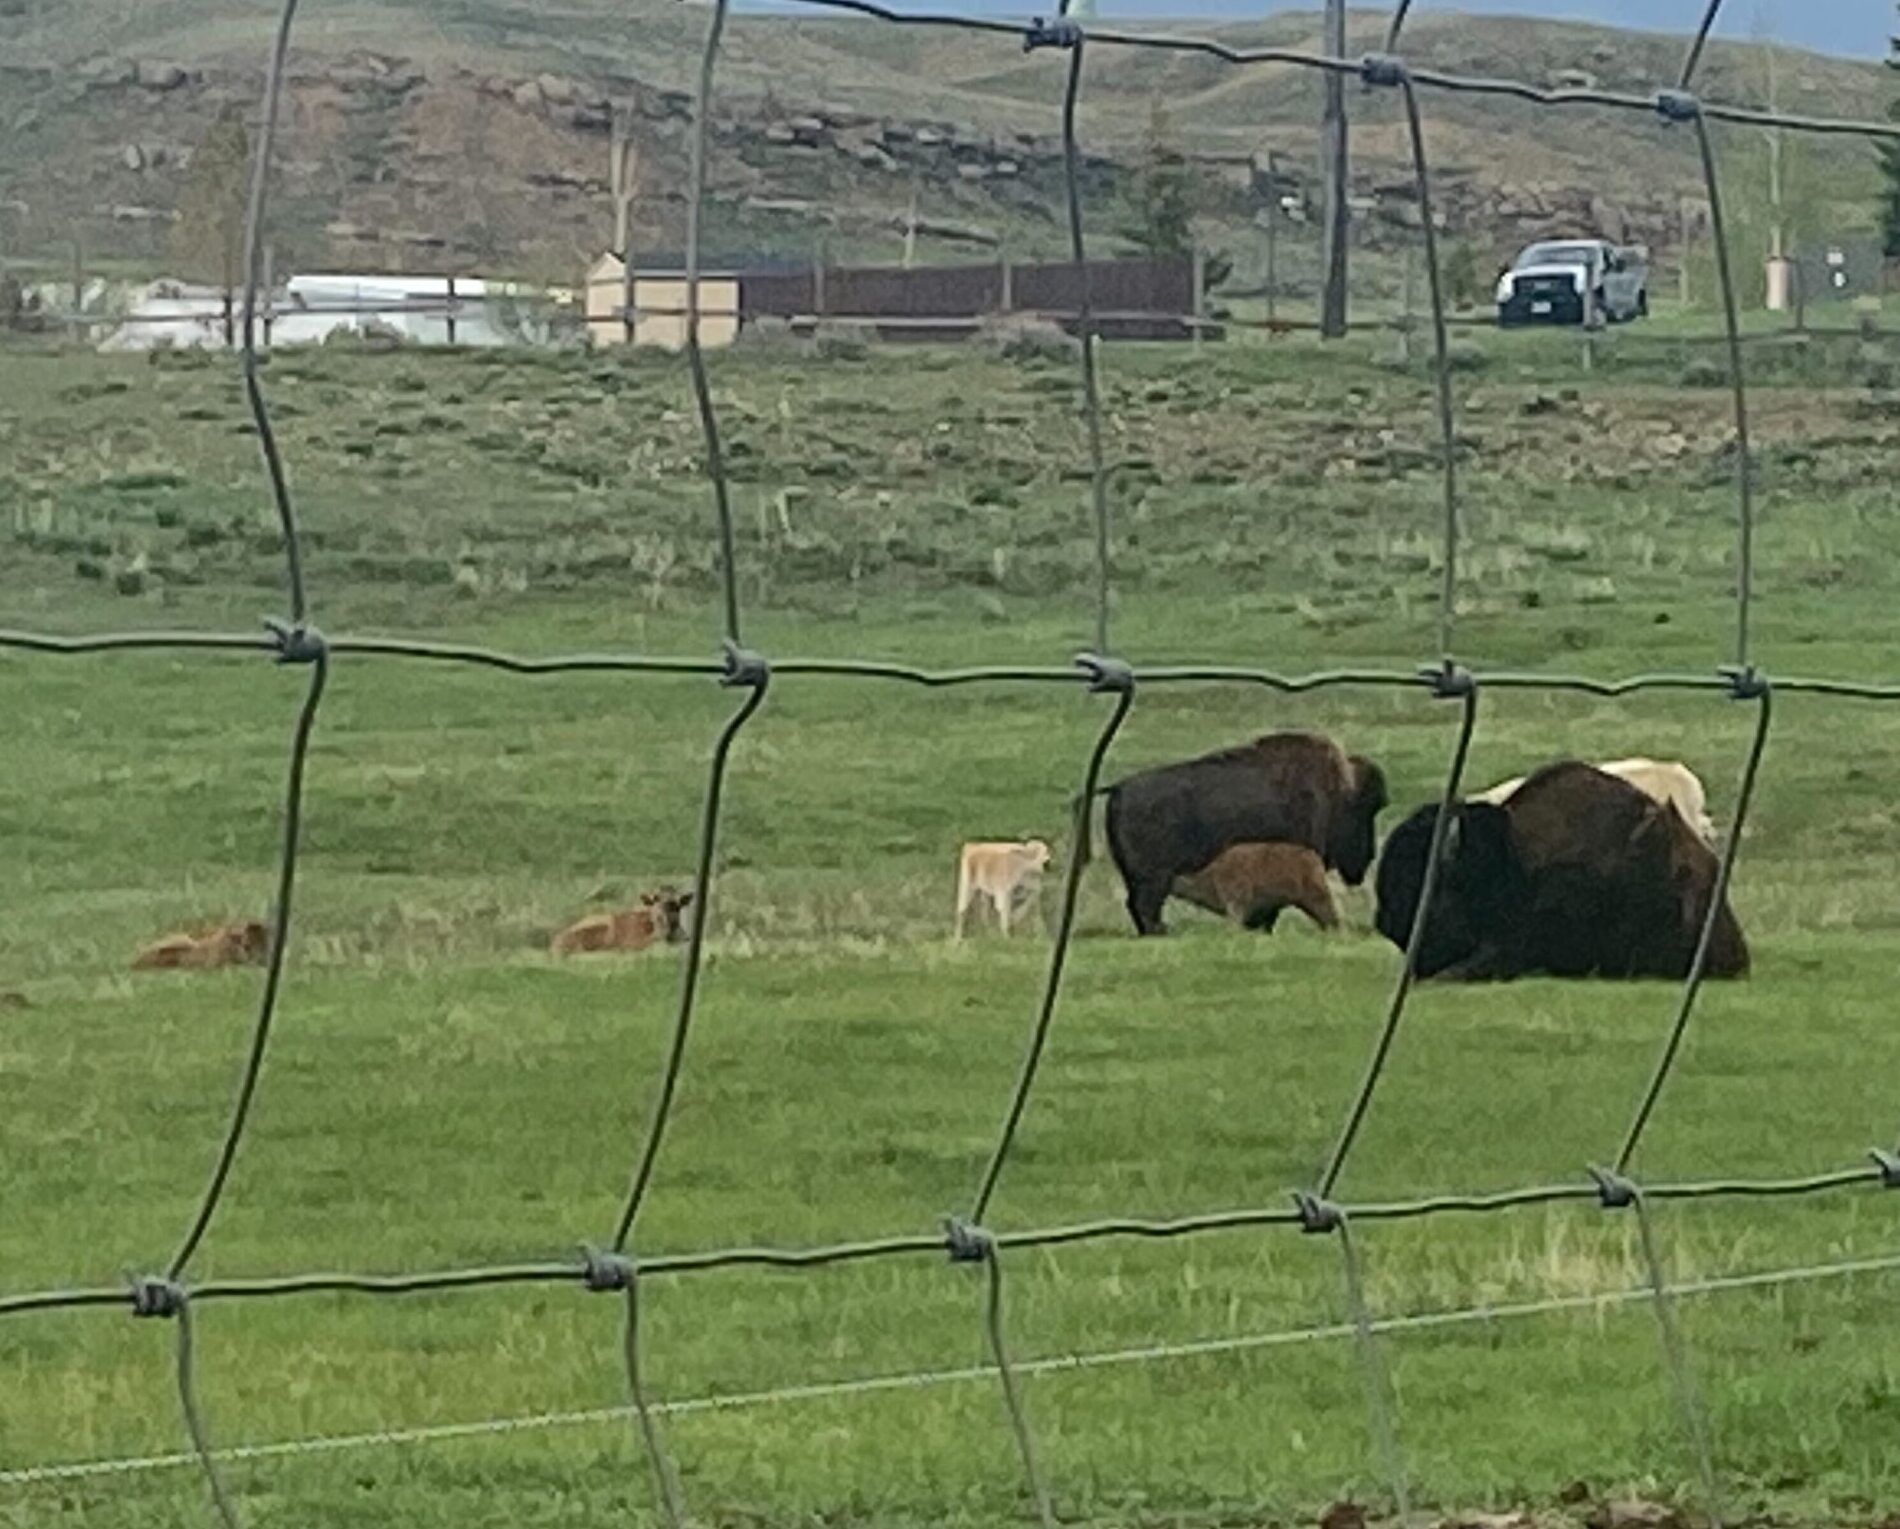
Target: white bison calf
998	871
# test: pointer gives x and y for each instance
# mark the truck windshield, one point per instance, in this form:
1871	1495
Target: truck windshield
1556	254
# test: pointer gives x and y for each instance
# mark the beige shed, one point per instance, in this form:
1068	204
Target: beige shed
659	301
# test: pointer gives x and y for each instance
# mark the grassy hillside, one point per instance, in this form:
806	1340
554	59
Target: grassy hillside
416	136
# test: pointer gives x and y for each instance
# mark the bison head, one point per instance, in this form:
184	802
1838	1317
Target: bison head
1354	835
1477	884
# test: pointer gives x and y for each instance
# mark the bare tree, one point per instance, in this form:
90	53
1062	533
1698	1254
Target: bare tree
623	181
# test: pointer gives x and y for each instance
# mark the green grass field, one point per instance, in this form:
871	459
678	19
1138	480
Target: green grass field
441	1093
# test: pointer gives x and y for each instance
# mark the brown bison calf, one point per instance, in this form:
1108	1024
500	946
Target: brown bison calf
1577	874
1295	788
655	918
244	942
1253	883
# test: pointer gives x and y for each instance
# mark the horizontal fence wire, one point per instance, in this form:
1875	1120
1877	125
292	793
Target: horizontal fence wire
620	1265
917	1380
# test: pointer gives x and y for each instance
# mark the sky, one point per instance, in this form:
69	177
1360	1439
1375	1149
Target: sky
1857	28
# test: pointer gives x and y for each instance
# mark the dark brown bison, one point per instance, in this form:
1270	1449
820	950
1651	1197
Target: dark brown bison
1576	874
1297	788
1253	884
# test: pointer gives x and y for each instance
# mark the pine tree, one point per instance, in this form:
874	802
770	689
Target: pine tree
208	239
1163	222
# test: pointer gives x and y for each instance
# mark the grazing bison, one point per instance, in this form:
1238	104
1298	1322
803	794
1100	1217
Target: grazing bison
1576	874
243	943
1296	788
1667	780
655	918
1253	883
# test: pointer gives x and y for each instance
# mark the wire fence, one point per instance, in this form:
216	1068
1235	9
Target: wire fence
614	1266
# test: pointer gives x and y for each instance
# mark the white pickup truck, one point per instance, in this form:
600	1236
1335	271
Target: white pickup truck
1575	281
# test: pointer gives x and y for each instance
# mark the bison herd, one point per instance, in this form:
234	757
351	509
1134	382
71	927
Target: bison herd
1573	871
1576	870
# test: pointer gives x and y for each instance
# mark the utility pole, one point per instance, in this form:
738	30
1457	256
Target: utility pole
910	230
1332	159
624	184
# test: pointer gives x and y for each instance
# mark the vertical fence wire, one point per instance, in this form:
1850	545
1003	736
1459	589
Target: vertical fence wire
1381	1396
194	1418
1085	314
993	1328
1441	365
1731	324
1059	951
666	1487
1408	968
1676	1356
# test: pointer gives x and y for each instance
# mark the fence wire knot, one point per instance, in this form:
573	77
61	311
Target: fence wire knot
966	1243
603	1270
1317	1214
1889	1164
155	1296
1383	69
745	668
1107	676
298	642
1449	681
1614	1191
1062	32
1678	105
1746	683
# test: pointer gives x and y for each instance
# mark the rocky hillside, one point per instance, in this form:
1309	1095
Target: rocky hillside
477	136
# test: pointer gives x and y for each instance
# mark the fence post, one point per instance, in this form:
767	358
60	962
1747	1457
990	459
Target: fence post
451	309
1273	243
270	290
1009	283
1200	290
626	296
79	286
1405	309
818	278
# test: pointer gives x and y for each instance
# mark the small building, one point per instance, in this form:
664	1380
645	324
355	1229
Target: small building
659	306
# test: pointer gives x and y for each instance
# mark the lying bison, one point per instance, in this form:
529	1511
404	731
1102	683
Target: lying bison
1297	788
1576	874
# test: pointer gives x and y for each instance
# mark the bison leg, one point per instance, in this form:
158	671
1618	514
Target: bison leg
1485	964
1262	918
1145	899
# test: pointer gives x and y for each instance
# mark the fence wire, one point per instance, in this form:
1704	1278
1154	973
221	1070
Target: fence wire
620	1267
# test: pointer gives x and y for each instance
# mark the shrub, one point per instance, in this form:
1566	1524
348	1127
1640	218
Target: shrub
1025	337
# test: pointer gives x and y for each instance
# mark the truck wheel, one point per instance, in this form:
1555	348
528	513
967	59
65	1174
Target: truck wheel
1642	304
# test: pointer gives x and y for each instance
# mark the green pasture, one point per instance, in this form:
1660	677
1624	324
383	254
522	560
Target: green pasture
441	1093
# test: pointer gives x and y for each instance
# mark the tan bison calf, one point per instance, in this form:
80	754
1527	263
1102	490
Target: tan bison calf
1253	883
244	942
1292	787
654	919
